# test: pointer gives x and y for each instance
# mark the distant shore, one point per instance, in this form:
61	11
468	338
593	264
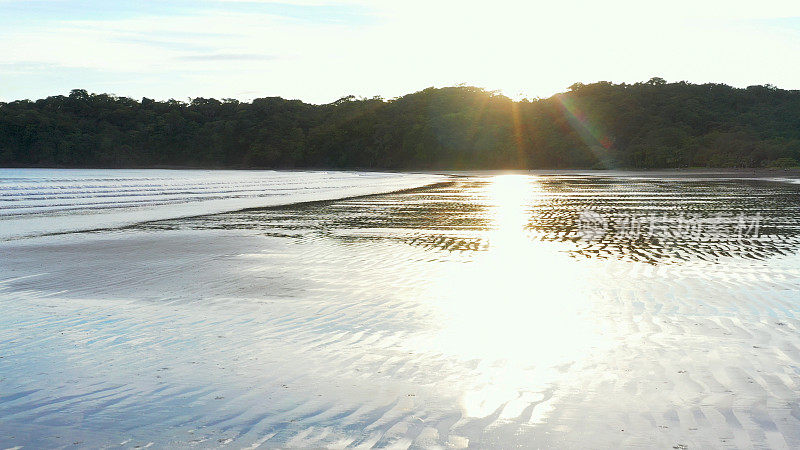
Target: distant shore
734	171
694	172
651	124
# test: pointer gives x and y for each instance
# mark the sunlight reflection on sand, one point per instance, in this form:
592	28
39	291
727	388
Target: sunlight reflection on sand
461	314
521	307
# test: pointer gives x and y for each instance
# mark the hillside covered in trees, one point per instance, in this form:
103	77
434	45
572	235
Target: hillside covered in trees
602	125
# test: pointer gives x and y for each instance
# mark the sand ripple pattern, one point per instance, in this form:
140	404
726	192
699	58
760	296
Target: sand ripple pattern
705	219
448	316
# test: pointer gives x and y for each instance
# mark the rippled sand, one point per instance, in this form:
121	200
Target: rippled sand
472	313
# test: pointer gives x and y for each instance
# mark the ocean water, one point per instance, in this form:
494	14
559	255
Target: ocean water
489	311
46	201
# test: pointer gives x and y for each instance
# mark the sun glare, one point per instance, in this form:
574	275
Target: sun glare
520	304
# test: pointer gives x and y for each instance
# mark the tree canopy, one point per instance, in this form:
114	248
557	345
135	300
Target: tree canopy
653	124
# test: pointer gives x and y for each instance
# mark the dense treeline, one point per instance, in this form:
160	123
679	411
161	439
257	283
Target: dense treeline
644	125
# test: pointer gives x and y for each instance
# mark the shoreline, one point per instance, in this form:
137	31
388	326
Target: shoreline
751	171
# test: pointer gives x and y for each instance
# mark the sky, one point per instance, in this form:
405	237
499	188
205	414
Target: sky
321	50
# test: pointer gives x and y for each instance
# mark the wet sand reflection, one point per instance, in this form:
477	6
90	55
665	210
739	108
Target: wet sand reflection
475	312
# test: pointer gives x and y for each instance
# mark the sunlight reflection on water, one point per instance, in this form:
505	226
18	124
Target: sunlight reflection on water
521	306
466	313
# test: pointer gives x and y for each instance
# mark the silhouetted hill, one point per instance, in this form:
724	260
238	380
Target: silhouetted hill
644	125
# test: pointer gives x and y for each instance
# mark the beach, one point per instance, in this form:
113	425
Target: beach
468	310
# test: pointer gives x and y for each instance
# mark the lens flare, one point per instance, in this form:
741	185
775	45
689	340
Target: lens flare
595	138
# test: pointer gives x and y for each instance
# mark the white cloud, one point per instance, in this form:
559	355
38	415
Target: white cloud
533	48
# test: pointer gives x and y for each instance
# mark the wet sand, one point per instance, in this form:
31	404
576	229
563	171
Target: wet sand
467	314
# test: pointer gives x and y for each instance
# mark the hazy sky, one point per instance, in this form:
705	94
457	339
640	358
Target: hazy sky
319	51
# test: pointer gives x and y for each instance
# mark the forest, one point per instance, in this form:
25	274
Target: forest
652	124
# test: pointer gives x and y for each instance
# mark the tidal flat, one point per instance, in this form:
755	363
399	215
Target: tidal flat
480	310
